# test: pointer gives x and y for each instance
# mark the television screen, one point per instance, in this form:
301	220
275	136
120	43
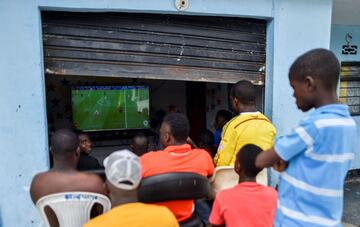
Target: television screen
110	107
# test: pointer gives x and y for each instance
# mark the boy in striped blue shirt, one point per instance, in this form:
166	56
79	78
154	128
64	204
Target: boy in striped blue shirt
315	156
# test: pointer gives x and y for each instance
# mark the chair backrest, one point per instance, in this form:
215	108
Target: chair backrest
173	186
262	177
72	209
225	177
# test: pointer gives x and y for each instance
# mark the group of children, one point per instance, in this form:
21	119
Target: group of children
313	158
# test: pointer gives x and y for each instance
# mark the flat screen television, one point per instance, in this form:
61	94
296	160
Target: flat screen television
96	108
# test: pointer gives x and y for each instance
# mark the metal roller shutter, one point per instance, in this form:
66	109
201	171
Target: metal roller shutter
192	48
350	86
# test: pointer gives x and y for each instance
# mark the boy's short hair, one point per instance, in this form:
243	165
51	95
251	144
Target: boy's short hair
64	142
321	64
247	157
224	114
244	91
179	126
140	143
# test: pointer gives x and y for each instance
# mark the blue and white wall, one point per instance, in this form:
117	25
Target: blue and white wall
294	27
338	33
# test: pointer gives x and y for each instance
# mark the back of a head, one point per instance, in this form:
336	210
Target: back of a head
64	143
123	170
179	126
222	117
247	157
244	91
321	64
224	114
140	144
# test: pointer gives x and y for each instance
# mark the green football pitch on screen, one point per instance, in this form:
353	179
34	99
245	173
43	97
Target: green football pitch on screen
110	107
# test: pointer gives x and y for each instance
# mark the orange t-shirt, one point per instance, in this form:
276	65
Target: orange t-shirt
179	158
248	204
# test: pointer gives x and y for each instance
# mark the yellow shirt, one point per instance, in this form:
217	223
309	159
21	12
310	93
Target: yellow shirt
246	128
135	215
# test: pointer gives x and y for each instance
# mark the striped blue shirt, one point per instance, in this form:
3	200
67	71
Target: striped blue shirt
319	152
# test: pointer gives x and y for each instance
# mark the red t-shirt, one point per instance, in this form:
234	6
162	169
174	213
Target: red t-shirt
179	158
248	204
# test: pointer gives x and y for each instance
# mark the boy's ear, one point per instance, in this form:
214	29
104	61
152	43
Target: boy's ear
168	137
310	82
236	101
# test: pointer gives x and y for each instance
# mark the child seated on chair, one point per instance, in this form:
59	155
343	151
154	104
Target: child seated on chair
248	203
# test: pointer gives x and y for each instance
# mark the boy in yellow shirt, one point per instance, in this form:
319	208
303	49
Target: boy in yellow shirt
249	126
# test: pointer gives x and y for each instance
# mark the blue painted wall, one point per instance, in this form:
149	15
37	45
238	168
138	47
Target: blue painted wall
338	33
23	129
294	32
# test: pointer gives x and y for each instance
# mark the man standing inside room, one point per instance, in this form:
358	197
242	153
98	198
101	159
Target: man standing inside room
248	127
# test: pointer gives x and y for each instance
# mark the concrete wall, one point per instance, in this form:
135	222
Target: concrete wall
291	33
295	32
294	27
338	33
23	129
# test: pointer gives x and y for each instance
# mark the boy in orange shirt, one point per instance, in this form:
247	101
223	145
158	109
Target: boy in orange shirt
248	204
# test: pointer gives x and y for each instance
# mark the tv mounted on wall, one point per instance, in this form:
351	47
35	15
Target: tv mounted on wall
97	108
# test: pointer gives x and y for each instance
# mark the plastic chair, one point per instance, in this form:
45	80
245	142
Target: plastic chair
72	209
262	177
225	177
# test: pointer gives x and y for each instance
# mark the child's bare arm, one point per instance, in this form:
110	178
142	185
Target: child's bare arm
267	158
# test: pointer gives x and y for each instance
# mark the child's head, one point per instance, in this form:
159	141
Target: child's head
222	117
245	161
314	77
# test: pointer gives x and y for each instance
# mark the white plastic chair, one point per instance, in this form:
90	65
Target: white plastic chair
225	177
72	209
